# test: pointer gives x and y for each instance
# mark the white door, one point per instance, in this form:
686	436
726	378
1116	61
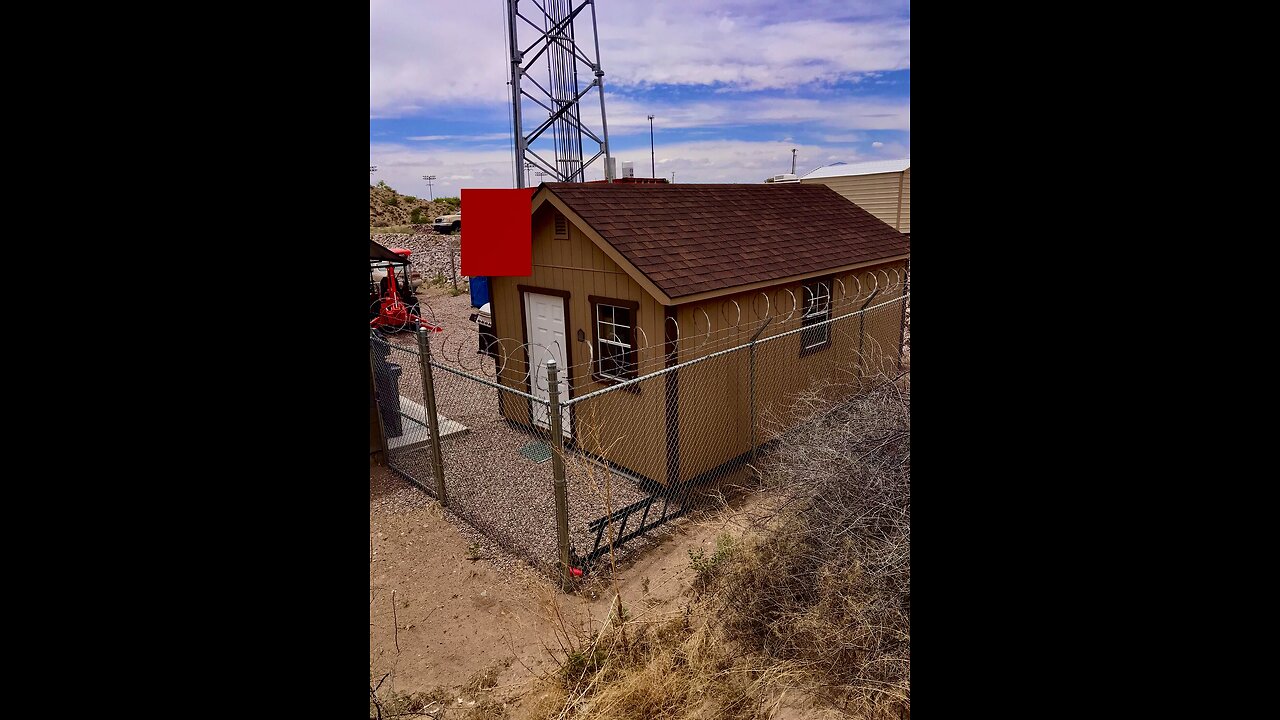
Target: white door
544	318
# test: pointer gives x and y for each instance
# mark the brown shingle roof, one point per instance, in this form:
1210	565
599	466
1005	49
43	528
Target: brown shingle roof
693	238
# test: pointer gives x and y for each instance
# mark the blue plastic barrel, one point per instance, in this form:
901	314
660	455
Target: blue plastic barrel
479	291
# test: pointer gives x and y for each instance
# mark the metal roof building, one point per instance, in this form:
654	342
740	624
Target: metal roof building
881	187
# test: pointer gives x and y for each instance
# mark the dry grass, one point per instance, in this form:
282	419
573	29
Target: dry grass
818	602
673	667
829	587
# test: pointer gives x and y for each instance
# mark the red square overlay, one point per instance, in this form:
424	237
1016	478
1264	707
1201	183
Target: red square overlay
497	239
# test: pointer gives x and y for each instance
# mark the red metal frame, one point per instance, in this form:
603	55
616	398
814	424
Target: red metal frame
392	313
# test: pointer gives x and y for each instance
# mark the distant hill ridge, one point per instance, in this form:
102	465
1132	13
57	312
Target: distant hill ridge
388	207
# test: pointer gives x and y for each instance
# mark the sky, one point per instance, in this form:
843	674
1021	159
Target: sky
734	85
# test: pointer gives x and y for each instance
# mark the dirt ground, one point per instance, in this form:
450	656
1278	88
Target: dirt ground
456	618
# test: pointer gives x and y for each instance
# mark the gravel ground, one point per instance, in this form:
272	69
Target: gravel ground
488	482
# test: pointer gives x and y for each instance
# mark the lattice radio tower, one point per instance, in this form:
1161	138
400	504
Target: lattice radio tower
555	112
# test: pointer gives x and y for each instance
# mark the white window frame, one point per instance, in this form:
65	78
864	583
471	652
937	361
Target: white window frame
821	298
601	337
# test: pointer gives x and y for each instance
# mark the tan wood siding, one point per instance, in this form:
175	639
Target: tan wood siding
877	194
904	225
627	428
715	398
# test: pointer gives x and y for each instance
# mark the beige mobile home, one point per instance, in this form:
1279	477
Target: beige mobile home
881	187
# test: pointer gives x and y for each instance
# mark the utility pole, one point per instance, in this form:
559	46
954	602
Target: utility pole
429	178
673	177
793	161
540	175
527	167
653	171
373	169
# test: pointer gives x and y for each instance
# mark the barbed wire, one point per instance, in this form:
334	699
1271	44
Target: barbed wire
504	357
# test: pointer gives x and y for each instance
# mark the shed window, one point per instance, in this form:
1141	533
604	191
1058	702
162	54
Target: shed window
615	354
817	311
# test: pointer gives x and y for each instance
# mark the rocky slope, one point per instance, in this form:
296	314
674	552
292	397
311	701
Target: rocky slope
388	207
430	253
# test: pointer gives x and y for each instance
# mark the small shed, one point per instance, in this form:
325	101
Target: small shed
620	272
881	187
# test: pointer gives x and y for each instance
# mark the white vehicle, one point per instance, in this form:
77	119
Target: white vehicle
446	224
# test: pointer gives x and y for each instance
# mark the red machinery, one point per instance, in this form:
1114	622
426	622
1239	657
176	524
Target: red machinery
393	306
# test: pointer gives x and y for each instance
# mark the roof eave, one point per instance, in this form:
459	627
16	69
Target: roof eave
712	294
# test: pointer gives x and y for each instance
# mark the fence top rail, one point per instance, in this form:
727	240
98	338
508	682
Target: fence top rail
460	373
704	358
490	383
413	350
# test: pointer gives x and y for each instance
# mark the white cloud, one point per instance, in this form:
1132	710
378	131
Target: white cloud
402	167
842	138
483	137
704	161
683	47
731	161
891	150
427	57
627	115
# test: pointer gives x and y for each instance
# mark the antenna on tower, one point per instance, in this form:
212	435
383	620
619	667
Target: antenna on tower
548	27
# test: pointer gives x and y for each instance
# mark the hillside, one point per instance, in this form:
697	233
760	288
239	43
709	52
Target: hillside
388	207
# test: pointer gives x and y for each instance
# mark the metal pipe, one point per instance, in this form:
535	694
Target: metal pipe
653	172
557	469
604	123
433	420
752	389
483	381
516	59
862	326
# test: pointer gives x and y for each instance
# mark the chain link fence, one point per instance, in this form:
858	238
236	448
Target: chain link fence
631	457
691	434
402	403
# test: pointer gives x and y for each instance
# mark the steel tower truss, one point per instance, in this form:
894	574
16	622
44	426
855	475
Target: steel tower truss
557	107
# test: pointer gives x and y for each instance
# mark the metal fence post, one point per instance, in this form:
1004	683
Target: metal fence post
902	328
862	332
752	389
433	420
453	271
557	469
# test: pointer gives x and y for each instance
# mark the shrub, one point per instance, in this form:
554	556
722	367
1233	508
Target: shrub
830	586
707	566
